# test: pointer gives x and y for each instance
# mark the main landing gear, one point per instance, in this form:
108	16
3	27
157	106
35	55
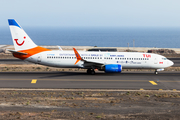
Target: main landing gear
90	71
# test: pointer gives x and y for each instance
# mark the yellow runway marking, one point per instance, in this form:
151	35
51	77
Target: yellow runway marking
83	80
33	81
152	82
90	80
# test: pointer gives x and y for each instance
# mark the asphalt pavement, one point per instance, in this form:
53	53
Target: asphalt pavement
80	80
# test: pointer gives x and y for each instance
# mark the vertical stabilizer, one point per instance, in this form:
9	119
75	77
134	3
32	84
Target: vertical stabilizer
20	39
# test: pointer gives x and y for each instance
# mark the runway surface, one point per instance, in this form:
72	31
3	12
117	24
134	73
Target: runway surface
125	80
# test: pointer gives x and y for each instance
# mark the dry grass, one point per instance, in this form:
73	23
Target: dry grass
88	104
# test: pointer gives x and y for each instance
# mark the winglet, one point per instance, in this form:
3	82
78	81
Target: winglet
77	56
60	49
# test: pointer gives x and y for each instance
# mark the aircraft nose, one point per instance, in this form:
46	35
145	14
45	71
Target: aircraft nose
171	63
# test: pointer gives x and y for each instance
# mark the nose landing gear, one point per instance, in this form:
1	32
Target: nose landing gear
156	72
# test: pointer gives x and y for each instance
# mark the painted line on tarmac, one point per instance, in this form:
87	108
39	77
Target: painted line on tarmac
81	80
92	80
152	82
33	81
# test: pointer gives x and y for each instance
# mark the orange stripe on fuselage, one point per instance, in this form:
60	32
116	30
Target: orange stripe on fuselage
30	52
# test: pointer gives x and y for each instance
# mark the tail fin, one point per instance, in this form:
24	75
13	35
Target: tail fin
20	39
24	46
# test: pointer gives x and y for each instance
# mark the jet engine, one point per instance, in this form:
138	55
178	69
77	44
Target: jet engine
113	68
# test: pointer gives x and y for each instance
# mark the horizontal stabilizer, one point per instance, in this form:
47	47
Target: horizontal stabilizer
13	51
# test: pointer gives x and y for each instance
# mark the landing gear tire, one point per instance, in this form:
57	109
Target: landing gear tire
90	71
155	72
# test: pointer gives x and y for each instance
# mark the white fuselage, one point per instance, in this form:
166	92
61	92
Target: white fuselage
26	49
128	60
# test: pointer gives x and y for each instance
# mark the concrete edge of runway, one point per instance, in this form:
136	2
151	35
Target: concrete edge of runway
104	90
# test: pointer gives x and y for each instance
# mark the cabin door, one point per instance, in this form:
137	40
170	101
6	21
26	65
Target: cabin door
39	59
155	61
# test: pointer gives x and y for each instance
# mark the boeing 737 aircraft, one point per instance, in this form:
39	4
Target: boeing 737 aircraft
110	62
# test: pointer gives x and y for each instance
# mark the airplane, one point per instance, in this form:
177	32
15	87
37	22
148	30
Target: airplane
109	62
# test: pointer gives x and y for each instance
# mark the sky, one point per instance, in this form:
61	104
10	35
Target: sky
91	13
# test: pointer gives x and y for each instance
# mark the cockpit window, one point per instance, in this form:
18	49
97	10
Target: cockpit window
164	58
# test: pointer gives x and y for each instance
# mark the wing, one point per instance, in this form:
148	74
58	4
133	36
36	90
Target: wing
60	48
87	64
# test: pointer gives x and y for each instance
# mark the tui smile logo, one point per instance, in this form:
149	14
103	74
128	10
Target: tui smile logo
19	44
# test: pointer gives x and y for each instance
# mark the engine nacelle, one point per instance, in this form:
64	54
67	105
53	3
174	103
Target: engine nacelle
160	69
113	68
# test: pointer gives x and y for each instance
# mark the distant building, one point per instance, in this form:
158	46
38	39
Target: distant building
104	49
